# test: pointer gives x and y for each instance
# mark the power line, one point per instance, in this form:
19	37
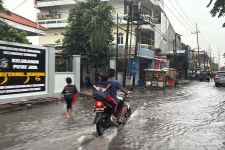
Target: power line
191	21
181	15
178	19
184	13
19	5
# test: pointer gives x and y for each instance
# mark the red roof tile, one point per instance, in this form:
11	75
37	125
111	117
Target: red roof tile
21	20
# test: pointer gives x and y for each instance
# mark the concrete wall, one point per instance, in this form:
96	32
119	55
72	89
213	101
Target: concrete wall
52	35
60	80
165	36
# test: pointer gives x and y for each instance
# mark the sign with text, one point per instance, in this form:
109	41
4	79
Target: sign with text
22	69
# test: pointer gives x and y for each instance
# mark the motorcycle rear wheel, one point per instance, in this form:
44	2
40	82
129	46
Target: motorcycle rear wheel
100	127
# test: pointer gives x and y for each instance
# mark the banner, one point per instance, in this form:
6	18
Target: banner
132	67
22	69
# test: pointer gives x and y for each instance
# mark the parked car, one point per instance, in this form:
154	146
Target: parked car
204	76
220	78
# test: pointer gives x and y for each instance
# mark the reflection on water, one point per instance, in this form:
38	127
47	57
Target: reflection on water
187	117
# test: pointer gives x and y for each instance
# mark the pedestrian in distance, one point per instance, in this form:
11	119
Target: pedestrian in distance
70	95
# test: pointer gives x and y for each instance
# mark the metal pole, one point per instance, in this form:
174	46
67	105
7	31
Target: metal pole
204	60
117	47
197	44
126	48
175	50
136	44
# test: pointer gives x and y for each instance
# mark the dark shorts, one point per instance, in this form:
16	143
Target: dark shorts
68	103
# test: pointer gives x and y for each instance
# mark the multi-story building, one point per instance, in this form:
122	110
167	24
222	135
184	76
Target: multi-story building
53	15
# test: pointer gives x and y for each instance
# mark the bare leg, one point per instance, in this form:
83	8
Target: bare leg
114	117
69	113
123	112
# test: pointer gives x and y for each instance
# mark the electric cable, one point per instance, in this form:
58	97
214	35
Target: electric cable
191	20
19	5
182	17
178	19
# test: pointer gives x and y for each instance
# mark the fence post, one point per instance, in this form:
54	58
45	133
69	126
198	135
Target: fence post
76	70
51	69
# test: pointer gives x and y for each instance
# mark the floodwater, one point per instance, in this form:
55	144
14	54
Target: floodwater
189	117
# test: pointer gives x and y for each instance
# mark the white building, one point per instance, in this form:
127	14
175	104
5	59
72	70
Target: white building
53	15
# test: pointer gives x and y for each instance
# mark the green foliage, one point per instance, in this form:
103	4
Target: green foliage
7	33
2	8
218	8
90	31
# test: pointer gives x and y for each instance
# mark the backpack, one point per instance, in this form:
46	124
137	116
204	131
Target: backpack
69	91
100	95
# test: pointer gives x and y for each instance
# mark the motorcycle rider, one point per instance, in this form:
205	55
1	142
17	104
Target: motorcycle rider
115	86
103	85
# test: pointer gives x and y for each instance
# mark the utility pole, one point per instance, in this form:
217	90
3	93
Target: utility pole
208	59
197	32
175	50
136	44
117	40
126	45
218	59
204	59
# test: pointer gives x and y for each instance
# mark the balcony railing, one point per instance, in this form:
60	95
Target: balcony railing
48	16
54	23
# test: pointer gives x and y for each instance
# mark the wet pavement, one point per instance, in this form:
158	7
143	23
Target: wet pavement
188	117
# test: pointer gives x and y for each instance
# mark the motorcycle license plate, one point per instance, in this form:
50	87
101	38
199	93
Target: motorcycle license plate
99	109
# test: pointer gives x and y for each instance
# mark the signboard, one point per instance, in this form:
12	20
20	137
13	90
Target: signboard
22	69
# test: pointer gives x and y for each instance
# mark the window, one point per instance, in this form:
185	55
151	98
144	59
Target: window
120	38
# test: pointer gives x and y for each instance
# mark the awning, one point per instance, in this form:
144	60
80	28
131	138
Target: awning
146	53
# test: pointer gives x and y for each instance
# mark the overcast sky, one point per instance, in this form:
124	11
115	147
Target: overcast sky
184	22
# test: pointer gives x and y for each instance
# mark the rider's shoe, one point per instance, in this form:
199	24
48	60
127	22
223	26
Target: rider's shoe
115	122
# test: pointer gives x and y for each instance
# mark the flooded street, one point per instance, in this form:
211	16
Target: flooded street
190	116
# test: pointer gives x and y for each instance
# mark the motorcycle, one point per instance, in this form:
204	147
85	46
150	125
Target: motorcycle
103	114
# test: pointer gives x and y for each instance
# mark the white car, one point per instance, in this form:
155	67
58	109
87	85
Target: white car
219	78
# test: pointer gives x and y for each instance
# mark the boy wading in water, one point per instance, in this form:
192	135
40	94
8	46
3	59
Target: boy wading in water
70	95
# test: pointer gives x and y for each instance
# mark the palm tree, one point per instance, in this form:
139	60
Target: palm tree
89	31
99	30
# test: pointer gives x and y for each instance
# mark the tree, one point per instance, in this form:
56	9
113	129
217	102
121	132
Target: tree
7	33
218	8
2	8
89	32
